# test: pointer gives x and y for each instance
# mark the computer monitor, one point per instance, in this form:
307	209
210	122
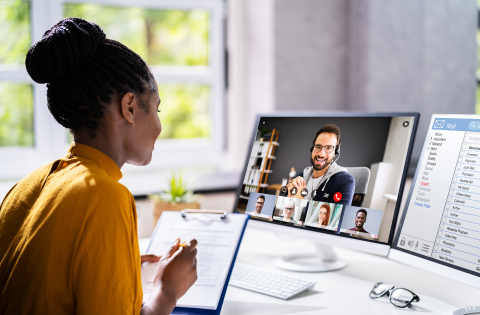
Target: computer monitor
440	227
349	170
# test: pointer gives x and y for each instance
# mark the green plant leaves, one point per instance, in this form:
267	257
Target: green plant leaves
177	192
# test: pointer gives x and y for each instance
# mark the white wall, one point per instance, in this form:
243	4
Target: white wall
251	73
369	55
396	151
311	54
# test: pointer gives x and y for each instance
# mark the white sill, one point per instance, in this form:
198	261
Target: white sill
145	184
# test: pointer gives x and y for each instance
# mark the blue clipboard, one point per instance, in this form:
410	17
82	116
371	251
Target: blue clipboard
195	311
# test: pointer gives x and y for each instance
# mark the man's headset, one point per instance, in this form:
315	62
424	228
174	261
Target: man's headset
337	152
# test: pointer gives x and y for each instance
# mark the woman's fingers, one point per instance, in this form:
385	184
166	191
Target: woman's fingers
149	258
186	250
173	250
193	244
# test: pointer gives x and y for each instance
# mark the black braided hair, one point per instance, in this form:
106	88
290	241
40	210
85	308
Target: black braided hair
83	70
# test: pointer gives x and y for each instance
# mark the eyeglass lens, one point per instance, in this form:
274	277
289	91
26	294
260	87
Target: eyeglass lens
380	289
328	148
401	297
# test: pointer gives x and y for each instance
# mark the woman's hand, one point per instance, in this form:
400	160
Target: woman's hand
177	269
176	273
149	258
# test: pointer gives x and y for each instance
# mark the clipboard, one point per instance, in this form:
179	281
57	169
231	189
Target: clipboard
222	215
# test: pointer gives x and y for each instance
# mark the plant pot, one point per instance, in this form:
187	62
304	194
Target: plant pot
159	207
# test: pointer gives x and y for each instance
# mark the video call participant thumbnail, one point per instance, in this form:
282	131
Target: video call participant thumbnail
261	205
323	215
362	222
360	219
290	210
325	180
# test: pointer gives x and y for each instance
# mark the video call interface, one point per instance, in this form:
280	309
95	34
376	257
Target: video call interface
442	220
336	175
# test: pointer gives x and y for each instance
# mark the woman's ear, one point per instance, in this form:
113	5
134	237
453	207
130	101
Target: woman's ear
128	107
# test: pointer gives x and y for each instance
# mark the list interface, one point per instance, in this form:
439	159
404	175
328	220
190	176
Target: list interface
443	214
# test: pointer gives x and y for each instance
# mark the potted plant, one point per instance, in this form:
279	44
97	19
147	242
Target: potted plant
177	198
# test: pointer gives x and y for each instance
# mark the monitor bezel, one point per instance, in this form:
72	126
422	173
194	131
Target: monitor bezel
402	219
322	114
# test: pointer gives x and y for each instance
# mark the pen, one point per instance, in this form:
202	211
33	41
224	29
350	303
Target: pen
185	244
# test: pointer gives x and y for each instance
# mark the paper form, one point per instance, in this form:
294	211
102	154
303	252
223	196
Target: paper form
217	242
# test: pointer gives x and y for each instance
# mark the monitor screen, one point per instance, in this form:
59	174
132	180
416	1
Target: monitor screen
441	221
340	175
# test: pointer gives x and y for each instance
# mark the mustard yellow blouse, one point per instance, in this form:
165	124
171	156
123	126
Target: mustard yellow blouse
68	240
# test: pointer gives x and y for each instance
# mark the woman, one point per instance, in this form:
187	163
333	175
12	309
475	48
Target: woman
68	230
323	215
288	211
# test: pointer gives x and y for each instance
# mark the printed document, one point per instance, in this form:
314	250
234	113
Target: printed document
217	243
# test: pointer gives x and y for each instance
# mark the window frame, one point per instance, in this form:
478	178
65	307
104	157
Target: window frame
50	138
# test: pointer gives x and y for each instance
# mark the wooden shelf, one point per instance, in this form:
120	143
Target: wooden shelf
273	142
263	161
266	171
262	157
256	185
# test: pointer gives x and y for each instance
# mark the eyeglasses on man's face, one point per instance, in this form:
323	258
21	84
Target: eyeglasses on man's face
328	148
400	297
289	209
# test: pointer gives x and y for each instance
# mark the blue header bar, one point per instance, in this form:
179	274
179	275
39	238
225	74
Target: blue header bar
456	124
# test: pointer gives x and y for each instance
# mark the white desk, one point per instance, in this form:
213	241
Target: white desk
345	291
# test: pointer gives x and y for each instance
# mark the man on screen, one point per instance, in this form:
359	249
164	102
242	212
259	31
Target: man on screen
259	205
360	220
325	180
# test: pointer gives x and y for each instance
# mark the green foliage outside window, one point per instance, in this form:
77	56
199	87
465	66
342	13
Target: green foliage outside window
184	111
165	38
14	31
16	114
16	100
161	37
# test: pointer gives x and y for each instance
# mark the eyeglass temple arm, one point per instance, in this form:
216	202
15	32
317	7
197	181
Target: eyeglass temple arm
416	298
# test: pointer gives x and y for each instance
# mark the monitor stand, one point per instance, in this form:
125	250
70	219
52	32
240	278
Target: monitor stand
325	260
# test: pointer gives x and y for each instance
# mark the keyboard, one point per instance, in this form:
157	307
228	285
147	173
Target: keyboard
267	282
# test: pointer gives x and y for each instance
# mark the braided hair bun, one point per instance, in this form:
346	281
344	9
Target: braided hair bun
76	37
84	71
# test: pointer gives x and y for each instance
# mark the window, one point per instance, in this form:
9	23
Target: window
16	97
182	42
16	114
